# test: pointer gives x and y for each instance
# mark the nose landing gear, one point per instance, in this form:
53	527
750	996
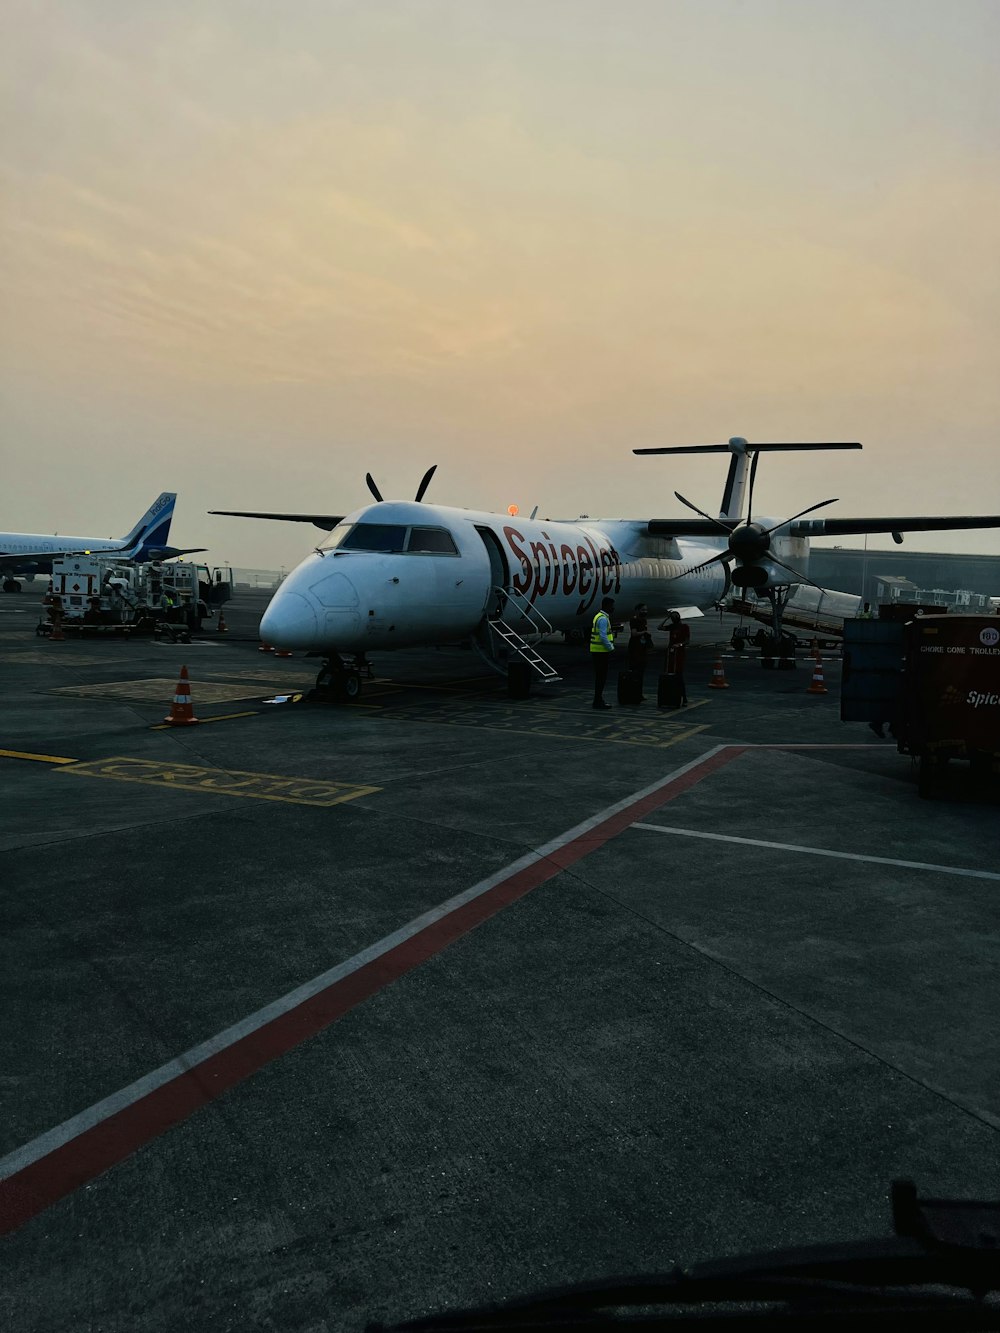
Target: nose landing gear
339	679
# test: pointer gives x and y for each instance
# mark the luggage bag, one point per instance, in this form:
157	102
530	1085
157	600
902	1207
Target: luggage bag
629	687
668	691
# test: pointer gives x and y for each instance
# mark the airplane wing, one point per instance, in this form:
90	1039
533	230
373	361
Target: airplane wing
847	527
325	521
172	552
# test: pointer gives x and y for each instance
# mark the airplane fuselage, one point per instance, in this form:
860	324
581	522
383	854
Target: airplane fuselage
349	598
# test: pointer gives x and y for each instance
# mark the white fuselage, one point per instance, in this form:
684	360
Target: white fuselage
348	600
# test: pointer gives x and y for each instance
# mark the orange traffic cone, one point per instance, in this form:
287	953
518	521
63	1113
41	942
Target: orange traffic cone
263	647
718	681
817	686
57	636
182	709
222	627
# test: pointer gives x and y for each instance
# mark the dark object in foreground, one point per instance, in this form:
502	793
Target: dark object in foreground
939	1243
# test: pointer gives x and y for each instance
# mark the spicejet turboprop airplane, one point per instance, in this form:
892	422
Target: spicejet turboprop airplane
401	574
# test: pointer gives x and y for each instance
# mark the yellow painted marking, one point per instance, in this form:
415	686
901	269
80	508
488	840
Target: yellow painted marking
263	673
42	758
223	782
48	659
656	731
161	689
222	717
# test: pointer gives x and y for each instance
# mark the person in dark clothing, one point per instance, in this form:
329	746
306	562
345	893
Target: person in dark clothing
639	644
680	637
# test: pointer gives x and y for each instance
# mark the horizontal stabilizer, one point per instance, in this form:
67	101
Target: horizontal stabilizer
325	521
745	447
845	527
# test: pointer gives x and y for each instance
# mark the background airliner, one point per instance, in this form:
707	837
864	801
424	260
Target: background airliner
31	553
400	574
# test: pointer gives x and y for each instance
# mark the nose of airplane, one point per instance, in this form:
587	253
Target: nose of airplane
290	621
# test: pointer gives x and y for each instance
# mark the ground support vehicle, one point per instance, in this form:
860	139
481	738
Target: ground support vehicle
818	612
94	596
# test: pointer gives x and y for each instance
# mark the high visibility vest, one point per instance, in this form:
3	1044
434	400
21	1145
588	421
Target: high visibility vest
596	646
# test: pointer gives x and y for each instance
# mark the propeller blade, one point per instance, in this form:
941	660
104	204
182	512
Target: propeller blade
773	559
720	525
822	504
753	474
422	488
371	485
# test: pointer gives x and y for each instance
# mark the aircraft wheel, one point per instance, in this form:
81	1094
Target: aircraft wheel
11	585
352	685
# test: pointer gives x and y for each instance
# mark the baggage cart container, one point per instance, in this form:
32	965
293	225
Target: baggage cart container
950	698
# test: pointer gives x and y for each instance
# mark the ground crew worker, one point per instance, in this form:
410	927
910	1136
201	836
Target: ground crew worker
866	612
680	637
54	607
602	645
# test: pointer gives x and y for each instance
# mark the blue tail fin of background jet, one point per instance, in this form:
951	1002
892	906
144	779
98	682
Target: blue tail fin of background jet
150	534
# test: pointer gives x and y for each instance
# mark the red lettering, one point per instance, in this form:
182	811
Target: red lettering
586	566
540	552
522	581
597	576
569	568
607	582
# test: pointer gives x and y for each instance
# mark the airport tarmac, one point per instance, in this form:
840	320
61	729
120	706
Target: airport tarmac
316	1015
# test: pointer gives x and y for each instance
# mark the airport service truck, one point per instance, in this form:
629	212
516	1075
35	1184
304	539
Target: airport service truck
107	596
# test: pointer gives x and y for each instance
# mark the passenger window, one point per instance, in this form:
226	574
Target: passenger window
432	541
374	537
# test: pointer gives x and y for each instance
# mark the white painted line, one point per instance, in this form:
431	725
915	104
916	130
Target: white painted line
819	851
168	1073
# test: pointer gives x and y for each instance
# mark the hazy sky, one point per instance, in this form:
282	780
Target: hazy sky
252	250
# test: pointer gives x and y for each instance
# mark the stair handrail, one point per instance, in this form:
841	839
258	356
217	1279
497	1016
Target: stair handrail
526	609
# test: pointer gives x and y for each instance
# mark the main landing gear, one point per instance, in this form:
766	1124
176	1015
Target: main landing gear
339	679
11	585
778	647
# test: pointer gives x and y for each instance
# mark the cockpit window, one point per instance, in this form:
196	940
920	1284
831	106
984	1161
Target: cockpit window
336	536
390	537
374	537
432	541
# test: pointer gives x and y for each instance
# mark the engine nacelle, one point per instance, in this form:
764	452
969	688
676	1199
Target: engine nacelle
761	575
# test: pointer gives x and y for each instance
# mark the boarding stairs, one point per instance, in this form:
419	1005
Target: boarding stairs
516	642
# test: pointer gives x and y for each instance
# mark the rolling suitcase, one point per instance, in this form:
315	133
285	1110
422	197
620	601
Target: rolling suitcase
668	691
629	687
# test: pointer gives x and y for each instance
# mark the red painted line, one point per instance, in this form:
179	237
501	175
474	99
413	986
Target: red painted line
68	1157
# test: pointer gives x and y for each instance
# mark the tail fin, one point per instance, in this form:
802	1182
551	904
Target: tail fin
151	532
741	469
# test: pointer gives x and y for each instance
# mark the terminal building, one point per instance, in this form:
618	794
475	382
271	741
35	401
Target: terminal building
907	575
